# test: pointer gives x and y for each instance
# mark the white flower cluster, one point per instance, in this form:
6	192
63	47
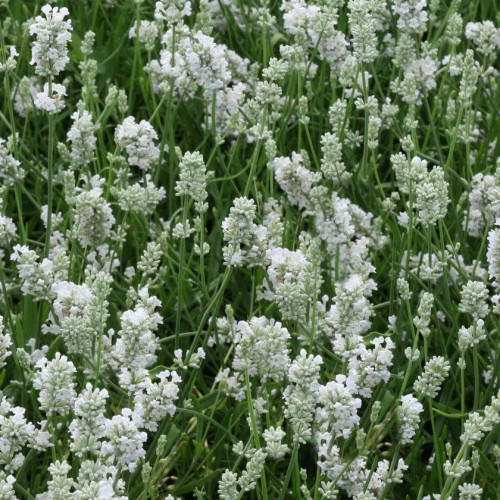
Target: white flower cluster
146	32
156	400
290	282
371	366
295	178
301	394
88	426
239	233
52	32
261	349
485	35
38	277
408	417
481	209
11	63
137	139
24	95
493	256
270	229
95	480
435	371
136	344
56	386
16	434
5	344
332	166
141	197
93	217
10	168
51	99
337	413
412	16
124	441
350	313
82	138
193	179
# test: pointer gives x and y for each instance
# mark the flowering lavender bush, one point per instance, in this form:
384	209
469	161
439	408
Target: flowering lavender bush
249	249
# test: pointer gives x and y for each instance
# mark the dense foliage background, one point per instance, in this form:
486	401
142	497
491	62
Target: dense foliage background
365	132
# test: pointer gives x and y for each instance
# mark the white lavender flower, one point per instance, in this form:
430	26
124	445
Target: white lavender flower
138	141
468	83
60	485
7	486
193	179
37	277
190	360
431	197
485	35
88	426
228	486
301	394
10	63
262	348
51	100
82	138
295	178
429	382
147	33
141	197
476	426
286	282
493	256
473	299
470	491
363	27
349	315
274	447
239	229
422	321
52	34
412	16
480	211
5	343
471	336
150	259
24	95
124	441
408	174
16	434
93	217
457	469
10	168
338	408
8	231
55	384
156	400
332	166
249	477
172	11
408	417
369	367
137	343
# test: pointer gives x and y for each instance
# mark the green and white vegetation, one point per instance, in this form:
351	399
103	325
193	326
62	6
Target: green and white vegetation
249	249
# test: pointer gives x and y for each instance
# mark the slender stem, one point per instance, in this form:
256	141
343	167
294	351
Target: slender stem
49	178
255	432
289	469
476	374
180	277
437	450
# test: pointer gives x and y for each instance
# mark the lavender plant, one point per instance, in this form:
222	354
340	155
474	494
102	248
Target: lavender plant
249	249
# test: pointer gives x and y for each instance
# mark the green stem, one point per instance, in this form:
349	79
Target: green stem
50	178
